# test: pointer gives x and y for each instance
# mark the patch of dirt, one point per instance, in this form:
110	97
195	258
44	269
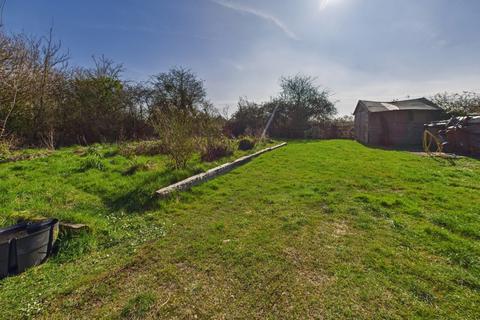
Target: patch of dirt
314	276
340	229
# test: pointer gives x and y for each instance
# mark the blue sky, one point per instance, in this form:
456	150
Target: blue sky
359	49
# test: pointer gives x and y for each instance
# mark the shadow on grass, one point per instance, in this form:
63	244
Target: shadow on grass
138	199
411	148
309	141
418	148
142	197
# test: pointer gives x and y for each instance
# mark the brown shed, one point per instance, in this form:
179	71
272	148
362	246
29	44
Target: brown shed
396	123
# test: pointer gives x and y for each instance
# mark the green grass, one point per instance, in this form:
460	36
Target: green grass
327	229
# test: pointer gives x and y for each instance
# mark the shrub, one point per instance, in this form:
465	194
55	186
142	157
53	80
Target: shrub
176	129
246	144
216	149
127	150
142	148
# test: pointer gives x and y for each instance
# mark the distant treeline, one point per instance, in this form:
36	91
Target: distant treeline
46	102
293	119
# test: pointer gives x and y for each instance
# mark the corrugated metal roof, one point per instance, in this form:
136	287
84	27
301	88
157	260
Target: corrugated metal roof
413	104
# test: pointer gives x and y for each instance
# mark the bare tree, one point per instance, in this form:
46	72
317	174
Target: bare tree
30	70
178	88
2	8
53	64
44	101
16	77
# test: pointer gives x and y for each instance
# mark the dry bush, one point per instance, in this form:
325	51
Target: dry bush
216	149
213	144
142	148
176	129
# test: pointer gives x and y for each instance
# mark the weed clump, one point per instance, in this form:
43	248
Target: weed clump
136	166
93	160
216	149
93	151
143	148
138	307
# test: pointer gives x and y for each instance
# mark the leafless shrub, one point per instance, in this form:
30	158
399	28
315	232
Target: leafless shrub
48	139
176	130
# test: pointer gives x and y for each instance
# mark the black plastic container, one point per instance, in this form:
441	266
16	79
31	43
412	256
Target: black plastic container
26	245
7	248
4	254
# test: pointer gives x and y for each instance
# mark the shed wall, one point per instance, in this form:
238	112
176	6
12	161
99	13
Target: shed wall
401	128
361	126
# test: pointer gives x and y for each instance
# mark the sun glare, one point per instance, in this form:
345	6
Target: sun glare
323	4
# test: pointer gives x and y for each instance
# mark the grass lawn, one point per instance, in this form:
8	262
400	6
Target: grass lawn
327	229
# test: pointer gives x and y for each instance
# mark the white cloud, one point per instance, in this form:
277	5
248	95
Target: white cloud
262	15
